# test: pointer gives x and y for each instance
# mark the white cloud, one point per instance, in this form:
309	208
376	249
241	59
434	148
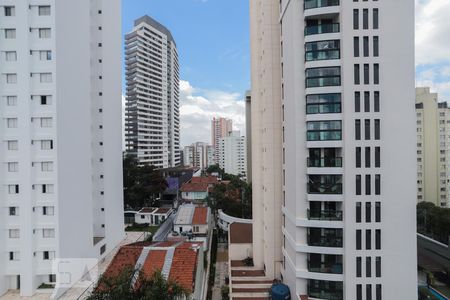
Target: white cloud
199	106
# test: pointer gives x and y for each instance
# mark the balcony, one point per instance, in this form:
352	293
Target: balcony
325	215
309	4
322	28
325	162
325	189
325	237
322	55
329	290
323	263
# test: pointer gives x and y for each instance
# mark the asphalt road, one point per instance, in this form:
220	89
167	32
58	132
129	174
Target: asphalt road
164	229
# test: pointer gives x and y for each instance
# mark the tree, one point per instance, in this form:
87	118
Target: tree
234	198
142	184
120	287
433	221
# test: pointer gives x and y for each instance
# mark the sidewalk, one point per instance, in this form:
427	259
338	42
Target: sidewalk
221	270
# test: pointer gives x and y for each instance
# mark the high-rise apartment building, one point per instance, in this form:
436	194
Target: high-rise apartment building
248	133
233	154
433	152
220	127
152	98
61	154
200	155
334	147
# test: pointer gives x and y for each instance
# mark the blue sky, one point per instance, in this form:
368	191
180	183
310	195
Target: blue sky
213	43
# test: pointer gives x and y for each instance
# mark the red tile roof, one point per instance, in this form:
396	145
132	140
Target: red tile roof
200	216
126	257
184	266
194	187
162	210
208	180
154	262
147	210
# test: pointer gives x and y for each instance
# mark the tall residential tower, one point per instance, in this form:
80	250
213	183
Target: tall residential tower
61	157
152	122
334	147
220	127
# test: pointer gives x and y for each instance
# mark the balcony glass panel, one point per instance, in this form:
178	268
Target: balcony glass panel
325	237
320	3
322	28
319	77
329	290
323	263
324	130
323	103
325	162
325	184
325	215
322	50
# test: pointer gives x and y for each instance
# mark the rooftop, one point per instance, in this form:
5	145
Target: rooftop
194	187
241	233
147	210
200	216
208	180
190	214
155	24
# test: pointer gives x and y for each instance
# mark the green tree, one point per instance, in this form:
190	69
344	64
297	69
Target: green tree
433	221
120	287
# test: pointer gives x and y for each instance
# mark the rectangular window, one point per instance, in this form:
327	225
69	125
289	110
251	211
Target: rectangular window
377	184
45	33
377	212
376	47
47	189
368	239
366	74
13	211
355	19
324	130
368	187
14	256
47	166
13	145
320	77
44	10
10	11
368	292
367	157
14	233
45	55
45	77
10	33
11	122
45	100
357	130
366	101
378	266
357	101
367	129
356	46
10	55
378	292
48	233
358	292
378	239
377	157
368	267
48	210
358	239
358	212
48	255
13	167
377	129
13	189
321	50
375	18
366	46
368	212
11	78
358	185
365	19
46	144
358	157
46	122
323	103
357	75
358	267
11	100
376	101
376	74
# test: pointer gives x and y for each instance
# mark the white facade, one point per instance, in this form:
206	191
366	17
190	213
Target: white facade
348	151
152	99
61	160
220	127
200	155
233	154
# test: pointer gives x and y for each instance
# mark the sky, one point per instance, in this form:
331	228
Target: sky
212	38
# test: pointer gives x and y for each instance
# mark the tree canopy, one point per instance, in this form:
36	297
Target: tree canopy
433	221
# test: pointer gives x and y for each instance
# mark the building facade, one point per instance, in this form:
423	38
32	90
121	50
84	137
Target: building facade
199	155
248	133
324	74
61	160
433	142
233	154
152	119
220	127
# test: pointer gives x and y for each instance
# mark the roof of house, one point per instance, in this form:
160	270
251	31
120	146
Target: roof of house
189	214
162	210
194	187
208	180
147	210
200	216
241	233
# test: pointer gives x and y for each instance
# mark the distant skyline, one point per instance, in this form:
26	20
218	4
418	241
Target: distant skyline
212	37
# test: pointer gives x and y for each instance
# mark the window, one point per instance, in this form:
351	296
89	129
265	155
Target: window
358	292
367	157
356	46
358	212
45	33
46	122
13	211
13	167
47	189
377	129
376	101
368	187
377	184
368	239
377	212
11	78
48	211
10	11
322	50
13	189
366	73
10	33
47	166
52	278
378	292
48	233
45	55
375	18
10	55
14	233
355	19
365	19
366	101
366	46
14	256
356	73
368	267
358	239
48	255
324	130
376	50
368	292
320	77
376	74
378	239
13	145
45	100
357	101
378	266
368	212
46	144
377	157
323	103
358	184
357	130
45	77
11	100
44	10
358	267
367	129
358	157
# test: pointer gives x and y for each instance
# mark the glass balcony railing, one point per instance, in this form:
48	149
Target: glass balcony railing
324	188
320	3
324	135
325	241
328	290
329	268
322	28
323	81
323	108
325	215
325	162
322	55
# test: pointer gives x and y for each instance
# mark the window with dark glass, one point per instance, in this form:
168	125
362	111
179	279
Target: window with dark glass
365	19
359	292
367	129
368	239
376	74
356	73
368	212
367	157
377	212
366	46
358	212
323	103
368	188
356	46
376	46
377	129
376	101
368	292
378	266
358	184
358	267
377	157
366	73
375	18
355	19
357	101
366	101
358	239
368	267
378	239
320	77
322	50
358	157
377	184
357	130
324	130
378	292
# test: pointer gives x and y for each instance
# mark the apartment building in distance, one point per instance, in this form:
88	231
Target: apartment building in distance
433	148
233	154
61	154
248	133
220	127
152	125
199	155
334	147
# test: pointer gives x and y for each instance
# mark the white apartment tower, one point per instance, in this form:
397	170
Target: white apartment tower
233	154
333	117
198	155
61	160
220	127
152	122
